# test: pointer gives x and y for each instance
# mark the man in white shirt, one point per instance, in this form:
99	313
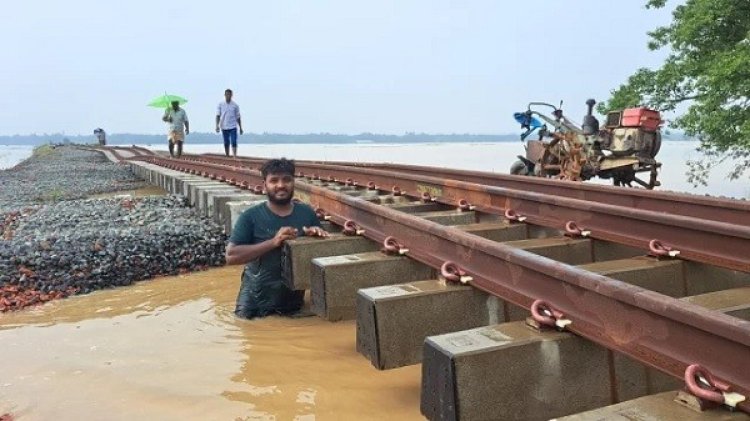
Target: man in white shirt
228	120
179	126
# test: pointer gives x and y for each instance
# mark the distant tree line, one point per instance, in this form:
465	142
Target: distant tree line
260	138
275	138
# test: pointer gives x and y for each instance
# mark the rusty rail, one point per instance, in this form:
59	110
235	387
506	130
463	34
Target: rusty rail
703	207
662	332
142	150
104	150
716	243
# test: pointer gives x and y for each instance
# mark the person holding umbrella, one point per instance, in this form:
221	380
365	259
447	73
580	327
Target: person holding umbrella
176	117
101	136
179	126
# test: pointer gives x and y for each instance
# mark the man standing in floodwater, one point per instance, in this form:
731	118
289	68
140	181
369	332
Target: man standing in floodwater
256	241
228	120
179	126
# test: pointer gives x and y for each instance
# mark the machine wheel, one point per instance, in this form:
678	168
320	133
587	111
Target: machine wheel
657	145
626	178
519	168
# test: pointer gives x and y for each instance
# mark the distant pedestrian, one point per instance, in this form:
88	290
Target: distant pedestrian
101	136
179	126
228	120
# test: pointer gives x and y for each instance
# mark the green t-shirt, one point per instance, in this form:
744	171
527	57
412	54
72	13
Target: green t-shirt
263	291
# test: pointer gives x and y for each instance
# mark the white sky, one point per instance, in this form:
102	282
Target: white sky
338	66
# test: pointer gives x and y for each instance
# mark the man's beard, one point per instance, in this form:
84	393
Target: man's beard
282	202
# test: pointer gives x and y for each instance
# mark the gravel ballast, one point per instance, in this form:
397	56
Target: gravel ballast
55	245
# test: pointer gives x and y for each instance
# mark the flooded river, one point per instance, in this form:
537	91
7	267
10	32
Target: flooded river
171	349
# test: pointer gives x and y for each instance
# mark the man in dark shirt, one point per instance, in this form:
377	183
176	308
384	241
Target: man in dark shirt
257	238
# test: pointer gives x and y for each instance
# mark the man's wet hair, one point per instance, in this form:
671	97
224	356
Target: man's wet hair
228	91
278	166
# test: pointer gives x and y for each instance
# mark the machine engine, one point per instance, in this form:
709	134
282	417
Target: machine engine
626	145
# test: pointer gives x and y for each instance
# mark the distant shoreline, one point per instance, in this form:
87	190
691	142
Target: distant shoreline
200	142
281	138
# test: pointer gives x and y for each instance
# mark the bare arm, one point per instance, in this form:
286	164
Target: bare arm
217	123
187	127
242	254
239	120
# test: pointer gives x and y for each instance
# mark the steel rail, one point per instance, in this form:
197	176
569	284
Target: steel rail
113	151
704	207
116	151
142	150
135	150
712	242
662	332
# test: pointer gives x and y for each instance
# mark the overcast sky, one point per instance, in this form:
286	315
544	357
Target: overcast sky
339	66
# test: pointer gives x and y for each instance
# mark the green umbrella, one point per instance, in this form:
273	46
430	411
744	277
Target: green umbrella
164	101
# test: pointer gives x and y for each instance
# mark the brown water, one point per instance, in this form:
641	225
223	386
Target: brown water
171	348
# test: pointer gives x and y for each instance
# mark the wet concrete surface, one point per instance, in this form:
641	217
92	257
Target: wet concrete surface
171	348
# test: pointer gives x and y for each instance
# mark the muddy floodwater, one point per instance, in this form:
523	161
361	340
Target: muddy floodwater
171	349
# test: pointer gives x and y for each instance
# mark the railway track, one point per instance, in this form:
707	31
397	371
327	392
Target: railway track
703	207
711	241
684	340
